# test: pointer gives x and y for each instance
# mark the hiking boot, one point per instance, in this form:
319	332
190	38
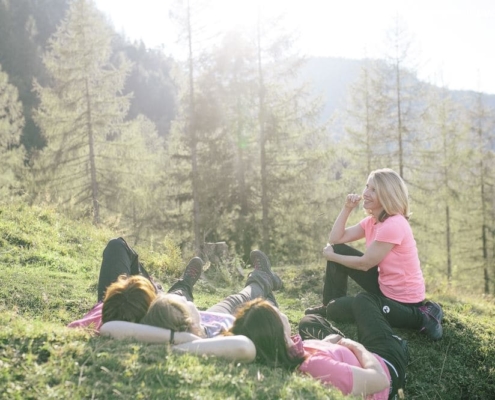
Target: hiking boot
433	315
260	262
193	271
318	310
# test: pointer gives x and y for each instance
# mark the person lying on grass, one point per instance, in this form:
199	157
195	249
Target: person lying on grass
125	290
374	367
131	291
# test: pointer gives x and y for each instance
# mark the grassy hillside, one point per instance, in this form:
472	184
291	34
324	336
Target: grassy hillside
49	267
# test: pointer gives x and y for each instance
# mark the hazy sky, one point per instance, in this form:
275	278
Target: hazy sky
454	40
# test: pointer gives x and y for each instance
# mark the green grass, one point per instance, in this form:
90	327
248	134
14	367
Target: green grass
49	267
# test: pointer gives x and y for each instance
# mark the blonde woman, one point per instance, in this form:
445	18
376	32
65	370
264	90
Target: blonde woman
389	267
174	312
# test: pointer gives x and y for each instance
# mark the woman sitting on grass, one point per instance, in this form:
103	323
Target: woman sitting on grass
390	265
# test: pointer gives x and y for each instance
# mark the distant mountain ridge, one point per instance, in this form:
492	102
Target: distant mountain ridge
332	77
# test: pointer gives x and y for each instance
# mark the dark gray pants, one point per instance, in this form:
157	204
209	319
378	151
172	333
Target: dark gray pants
119	259
339	305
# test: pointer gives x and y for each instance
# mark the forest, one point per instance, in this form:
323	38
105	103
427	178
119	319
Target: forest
236	142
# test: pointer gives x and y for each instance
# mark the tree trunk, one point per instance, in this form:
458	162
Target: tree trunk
193	139
265	233
92	162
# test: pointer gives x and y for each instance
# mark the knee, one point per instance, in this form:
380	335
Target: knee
309	321
114	244
363	299
330	309
340	248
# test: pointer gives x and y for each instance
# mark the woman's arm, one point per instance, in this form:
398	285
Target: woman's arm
232	348
341	234
143	333
369	379
371	257
235	348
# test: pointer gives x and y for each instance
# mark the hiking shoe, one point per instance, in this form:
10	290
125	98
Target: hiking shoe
433	315
193	271
260	262
318	310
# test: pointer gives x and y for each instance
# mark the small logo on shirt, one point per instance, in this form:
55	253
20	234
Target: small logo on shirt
386	309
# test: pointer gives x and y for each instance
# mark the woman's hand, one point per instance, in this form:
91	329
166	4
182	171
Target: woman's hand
328	251
351	345
352	200
332	338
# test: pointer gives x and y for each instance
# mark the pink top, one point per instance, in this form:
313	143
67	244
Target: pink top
331	364
400	276
92	320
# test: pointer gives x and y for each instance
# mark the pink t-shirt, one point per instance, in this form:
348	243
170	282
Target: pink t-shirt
331	364
92	320
400	276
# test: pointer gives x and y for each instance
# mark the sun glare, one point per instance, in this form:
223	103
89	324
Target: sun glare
353	29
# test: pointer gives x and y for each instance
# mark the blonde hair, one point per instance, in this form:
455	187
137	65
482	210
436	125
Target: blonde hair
128	299
392	193
169	312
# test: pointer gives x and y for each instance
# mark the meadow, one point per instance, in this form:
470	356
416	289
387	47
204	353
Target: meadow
49	267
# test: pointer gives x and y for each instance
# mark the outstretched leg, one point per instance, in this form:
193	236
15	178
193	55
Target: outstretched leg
260	283
184	286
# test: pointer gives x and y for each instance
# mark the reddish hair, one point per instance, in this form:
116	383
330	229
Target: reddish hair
128	299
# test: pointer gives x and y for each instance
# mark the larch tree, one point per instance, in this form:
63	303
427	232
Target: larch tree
11	124
82	108
482	177
292	150
367	120
405	94
134	163
187	127
444	158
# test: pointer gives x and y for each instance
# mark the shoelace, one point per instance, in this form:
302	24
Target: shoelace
192	273
429	311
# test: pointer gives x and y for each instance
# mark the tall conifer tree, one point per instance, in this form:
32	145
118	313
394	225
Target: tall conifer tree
82	109
11	124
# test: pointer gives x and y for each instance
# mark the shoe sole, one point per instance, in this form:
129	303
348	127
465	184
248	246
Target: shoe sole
257	257
265	262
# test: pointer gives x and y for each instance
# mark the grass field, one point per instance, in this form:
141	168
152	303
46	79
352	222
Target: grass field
49	268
